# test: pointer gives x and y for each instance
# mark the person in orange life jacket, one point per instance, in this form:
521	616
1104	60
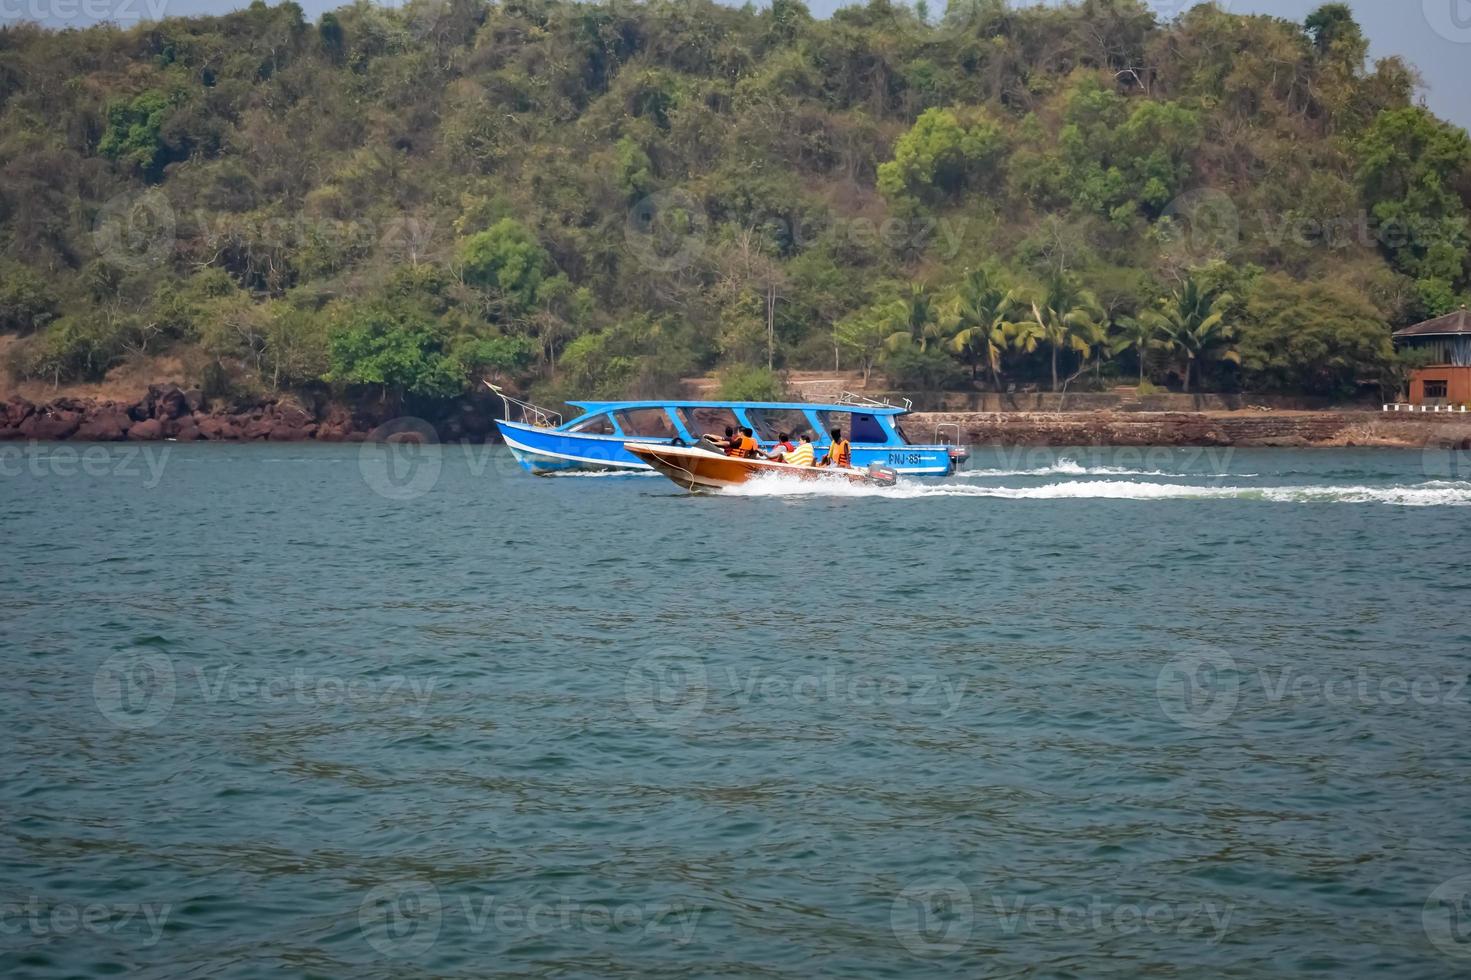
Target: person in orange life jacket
746	446
839	453
783	446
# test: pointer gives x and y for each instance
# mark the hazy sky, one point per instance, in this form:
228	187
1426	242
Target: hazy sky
1433	35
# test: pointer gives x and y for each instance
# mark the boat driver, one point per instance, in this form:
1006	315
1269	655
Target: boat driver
725	444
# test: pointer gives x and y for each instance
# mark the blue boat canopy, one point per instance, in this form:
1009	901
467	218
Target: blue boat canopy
865	408
865	420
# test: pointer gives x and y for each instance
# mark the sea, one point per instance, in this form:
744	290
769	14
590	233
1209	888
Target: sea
408	711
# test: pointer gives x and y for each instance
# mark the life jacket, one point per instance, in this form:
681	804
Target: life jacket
744	447
786	447
841	454
801	456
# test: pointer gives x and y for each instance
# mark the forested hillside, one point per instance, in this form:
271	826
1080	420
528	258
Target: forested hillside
599	198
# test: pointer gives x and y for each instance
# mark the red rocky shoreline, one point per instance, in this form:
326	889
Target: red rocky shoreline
186	415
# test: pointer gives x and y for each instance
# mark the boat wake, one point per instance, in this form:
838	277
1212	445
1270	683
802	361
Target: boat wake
1063	467
1436	493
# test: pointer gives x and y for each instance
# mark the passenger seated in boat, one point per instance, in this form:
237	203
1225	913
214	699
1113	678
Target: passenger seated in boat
719	443
840	453
782	448
803	455
746	446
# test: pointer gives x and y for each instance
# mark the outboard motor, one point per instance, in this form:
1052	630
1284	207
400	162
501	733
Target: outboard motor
882	475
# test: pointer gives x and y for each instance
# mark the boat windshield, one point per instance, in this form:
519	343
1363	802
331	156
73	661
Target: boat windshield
597	425
771	422
652	423
857	426
700	419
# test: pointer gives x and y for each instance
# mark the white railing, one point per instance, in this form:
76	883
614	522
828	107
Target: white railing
851	398
543	418
1436	409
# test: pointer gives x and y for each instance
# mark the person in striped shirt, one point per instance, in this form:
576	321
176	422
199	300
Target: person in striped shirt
803	455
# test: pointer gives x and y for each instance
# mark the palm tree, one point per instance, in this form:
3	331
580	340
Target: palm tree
982	316
1068	317
1138	334
915	320
1088	338
1193	321
1025	337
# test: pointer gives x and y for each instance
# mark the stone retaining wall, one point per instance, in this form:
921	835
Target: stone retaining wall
1286	429
1116	401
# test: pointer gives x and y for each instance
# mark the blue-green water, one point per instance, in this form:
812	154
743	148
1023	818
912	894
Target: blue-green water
312	710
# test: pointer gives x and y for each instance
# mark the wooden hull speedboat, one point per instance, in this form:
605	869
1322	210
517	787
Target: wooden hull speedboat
696	468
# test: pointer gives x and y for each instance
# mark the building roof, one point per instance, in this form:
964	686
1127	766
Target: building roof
1451	324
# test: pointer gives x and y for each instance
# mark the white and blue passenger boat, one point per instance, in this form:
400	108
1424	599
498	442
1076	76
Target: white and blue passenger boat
595	439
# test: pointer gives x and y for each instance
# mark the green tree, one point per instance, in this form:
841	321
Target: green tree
74	348
507	261
27	303
1140	334
750	383
985	315
1115	157
922	370
1067	317
334	40
914	320
1322	338
639	356
1193	323
941	156
134	133
820	291
635	169
1334	31
296	346
232	331
495	356
1410	167
396	350
865	335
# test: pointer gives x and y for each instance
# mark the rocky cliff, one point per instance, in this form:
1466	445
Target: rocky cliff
169	412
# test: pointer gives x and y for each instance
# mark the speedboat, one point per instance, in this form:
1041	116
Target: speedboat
599	437
701	467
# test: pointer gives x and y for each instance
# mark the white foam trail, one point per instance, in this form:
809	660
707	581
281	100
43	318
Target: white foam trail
1433	494
1063	467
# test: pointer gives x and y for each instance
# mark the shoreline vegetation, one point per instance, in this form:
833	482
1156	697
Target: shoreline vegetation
167	412
595	200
